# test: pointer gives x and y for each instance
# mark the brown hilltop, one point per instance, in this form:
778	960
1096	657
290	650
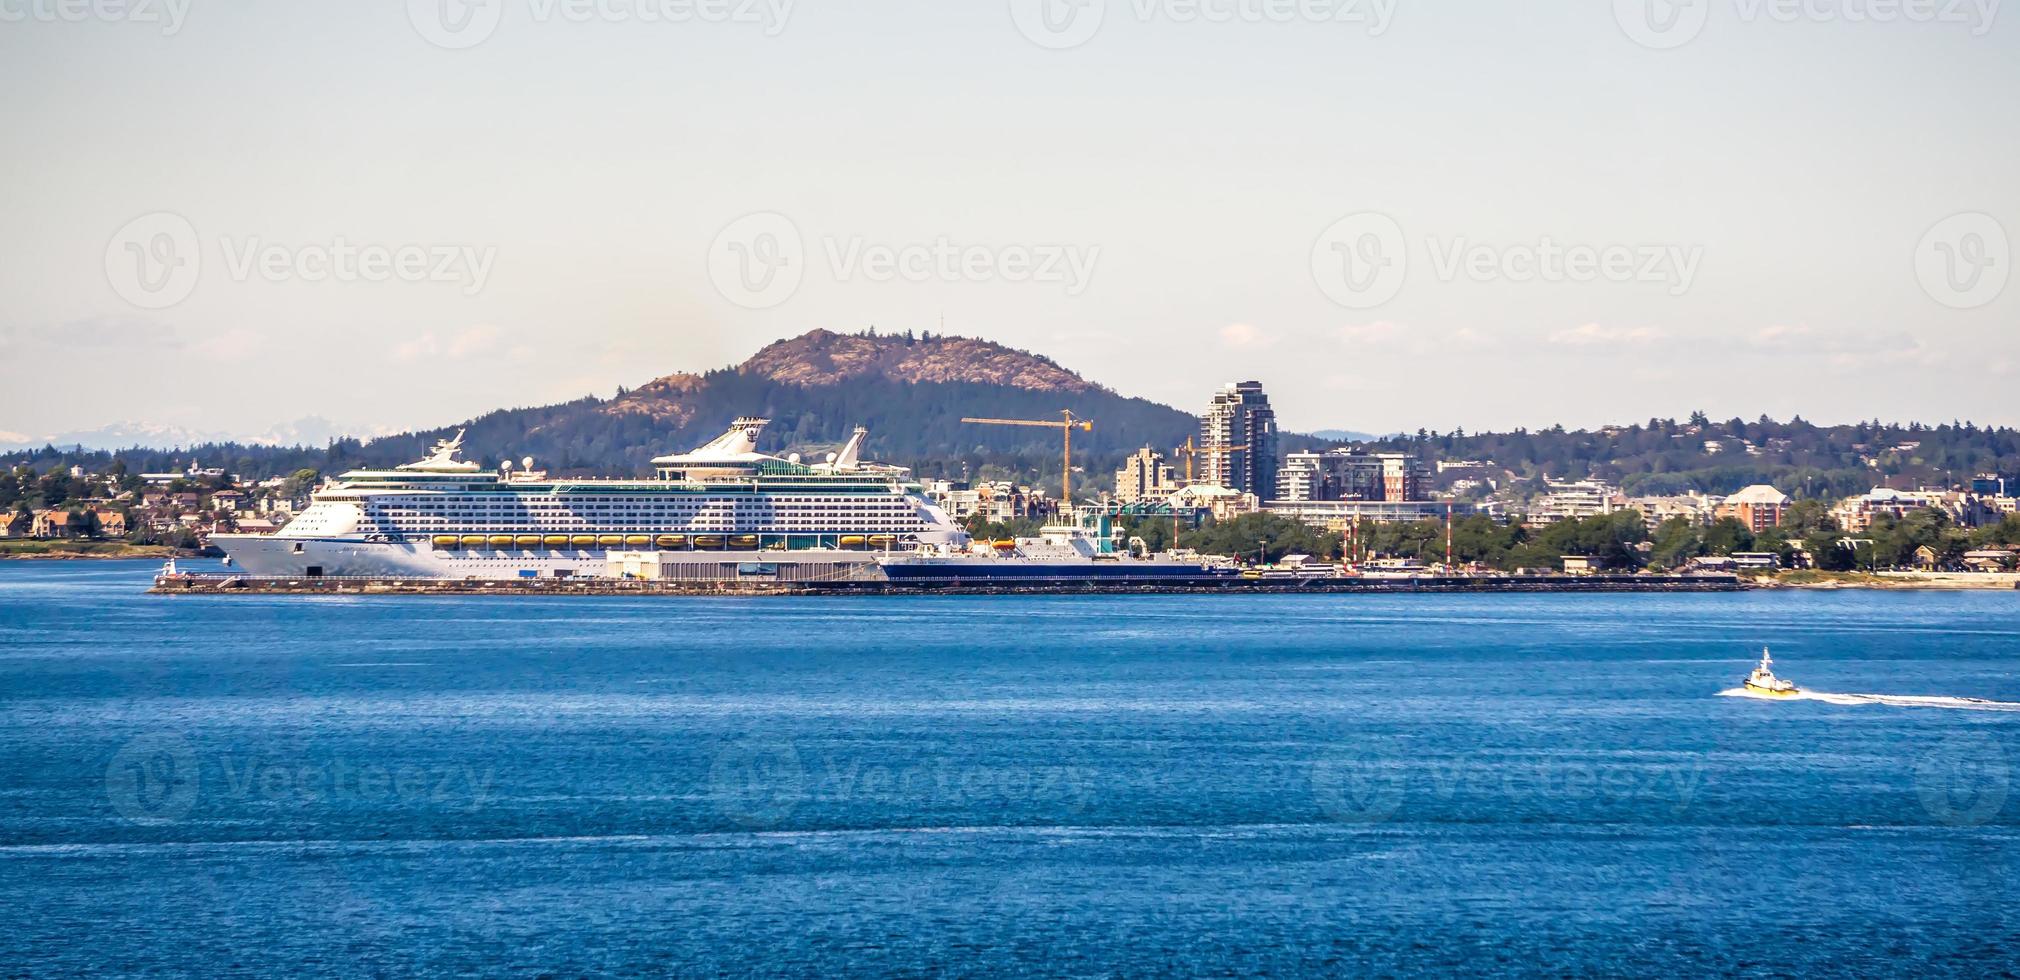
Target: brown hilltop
669	399
823	357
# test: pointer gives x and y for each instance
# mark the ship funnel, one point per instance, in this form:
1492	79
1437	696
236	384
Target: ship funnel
741	438
852	451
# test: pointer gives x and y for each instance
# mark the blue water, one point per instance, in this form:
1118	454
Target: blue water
970	785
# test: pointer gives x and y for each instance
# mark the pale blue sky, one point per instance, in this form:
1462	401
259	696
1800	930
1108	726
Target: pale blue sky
1194	164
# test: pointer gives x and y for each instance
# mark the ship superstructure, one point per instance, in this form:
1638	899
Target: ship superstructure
445	517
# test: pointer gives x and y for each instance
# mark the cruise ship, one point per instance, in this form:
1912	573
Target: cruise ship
445	517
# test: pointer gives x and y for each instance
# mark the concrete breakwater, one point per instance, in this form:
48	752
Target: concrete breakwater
1218	585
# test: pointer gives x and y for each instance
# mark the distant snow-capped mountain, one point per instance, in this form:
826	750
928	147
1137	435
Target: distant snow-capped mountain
311	430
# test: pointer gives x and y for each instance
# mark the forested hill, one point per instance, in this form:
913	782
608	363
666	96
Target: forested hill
1665	456
910	391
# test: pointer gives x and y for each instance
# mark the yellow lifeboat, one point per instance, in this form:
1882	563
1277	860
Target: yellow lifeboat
711	541
556	540
671	541
583	540
1003	545
610	540
474	540
500	541
853	540
883	540
527	540
448	541
744	541
637	540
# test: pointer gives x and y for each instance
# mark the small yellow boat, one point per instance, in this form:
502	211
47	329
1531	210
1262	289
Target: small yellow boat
744	542
1764	681
501	541
448	542
708	542
582	540
670	541
556	540
475	541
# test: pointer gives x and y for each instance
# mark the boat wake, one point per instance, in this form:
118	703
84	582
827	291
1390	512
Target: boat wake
1891	700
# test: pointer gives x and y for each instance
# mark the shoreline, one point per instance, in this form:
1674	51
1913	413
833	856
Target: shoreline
222	584
1893	581
108	551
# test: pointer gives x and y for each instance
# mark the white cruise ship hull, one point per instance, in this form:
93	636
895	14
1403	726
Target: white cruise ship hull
446	518
284	557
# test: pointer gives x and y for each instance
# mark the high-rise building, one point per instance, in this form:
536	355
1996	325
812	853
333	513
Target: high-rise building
1240	416
1144	476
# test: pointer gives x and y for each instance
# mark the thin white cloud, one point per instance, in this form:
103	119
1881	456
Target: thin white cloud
1467	337
464	344
1378	333
1782	336
1244	335
475	340
1599	335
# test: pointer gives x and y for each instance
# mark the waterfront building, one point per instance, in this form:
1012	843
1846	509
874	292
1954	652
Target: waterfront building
1334	515
1344	474
1224	503
1697	508
997	501
1856	514
1759	507
1144	476
1575	501
1240	415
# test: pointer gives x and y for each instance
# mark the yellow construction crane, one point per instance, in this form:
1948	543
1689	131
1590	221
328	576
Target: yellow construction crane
1066	425
1189	451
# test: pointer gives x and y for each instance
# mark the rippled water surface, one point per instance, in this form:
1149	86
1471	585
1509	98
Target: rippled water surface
1044	786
